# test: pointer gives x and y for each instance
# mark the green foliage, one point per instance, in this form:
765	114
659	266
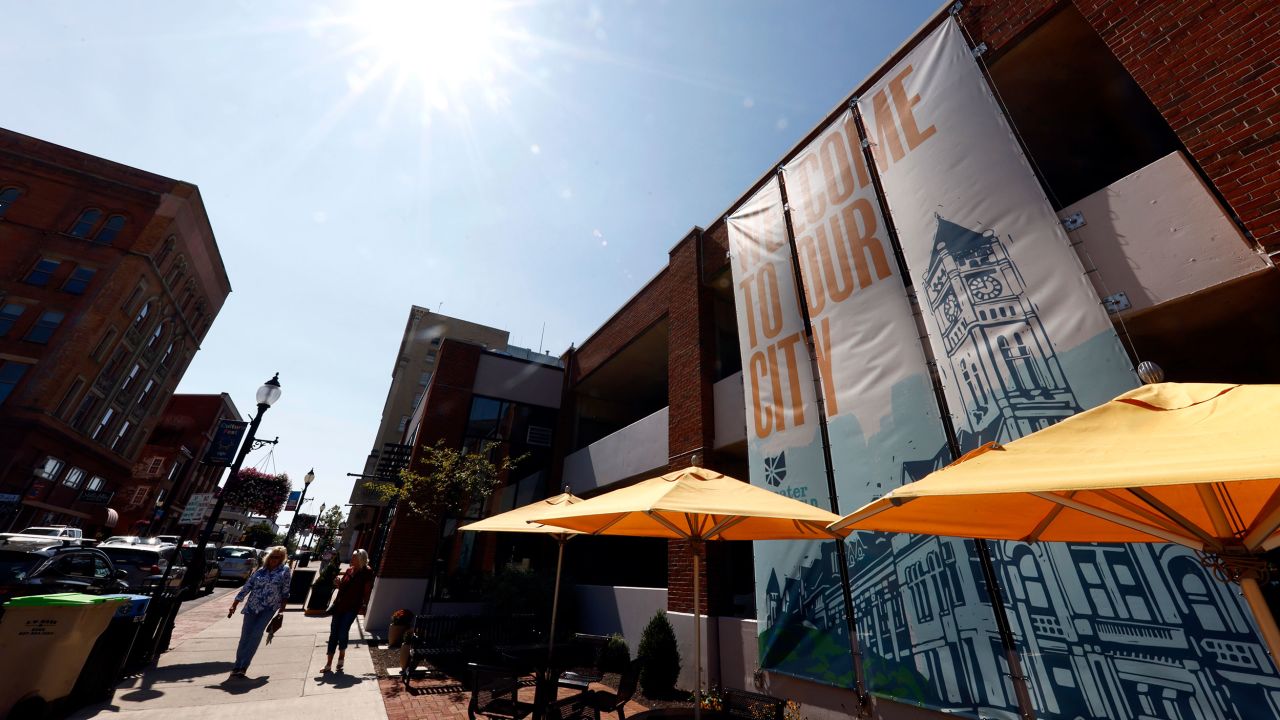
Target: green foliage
516	591
259	536
327	529
451	480
661	657
616	655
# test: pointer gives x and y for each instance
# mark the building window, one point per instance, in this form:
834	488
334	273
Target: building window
142	315
40	274
176	470
50	468
45	326
417	400
78	281
10	374
8	196
133	375
69	398
103	345
426	378
74	478
164	251
404	422
156	335
84	224
122	436
145	397
9	315
103	422
168	354
97	483
133	297
110	229
81	419
112	370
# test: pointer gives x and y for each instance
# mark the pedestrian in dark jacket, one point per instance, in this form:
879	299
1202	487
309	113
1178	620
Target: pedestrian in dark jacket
353	588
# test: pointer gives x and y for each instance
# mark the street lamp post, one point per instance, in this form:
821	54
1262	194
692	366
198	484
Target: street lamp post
306	483
267	396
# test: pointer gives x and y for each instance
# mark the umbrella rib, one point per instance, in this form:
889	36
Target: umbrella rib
867	513
1267	523
725	524
1048	519
1121	520
668	524
1153	518
1178	518
609	524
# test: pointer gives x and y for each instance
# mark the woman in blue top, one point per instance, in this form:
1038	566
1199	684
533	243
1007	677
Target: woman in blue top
268	591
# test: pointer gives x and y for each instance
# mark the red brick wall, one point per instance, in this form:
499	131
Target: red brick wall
411	544
641	311
1209	67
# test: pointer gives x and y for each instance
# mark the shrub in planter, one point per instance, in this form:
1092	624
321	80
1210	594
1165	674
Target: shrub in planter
616	655
661	658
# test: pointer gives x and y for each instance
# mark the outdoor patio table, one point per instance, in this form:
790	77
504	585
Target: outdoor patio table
679	713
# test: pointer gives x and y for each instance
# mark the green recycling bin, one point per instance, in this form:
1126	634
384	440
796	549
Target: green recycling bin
105	665
44	641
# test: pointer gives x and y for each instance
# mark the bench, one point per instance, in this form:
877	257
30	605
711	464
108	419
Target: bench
440	638
744	705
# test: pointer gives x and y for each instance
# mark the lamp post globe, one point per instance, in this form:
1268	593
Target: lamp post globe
306	483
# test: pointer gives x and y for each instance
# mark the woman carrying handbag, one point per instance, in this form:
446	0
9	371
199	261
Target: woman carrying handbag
353	587
268	592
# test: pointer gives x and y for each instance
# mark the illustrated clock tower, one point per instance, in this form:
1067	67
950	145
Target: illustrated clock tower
997	352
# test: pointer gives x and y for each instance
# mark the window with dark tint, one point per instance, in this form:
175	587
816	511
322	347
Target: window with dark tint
17	566
44	327
143	312
9	315
40	274
7	198
110	229
1084	120
10	374
84	223
78	281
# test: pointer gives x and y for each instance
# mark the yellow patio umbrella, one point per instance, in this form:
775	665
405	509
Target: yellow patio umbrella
697	505
1192	464
518	520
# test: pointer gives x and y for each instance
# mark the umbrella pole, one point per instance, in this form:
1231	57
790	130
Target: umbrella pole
697	638
1263	616
555	597
1006	633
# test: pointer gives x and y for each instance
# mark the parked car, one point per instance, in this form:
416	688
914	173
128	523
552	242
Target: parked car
146	564
46	565
168	539
52	531
211	570
237	562
130	540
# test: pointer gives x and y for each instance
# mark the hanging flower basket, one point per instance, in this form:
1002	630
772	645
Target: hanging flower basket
257	492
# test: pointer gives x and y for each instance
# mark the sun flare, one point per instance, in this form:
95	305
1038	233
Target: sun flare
442	45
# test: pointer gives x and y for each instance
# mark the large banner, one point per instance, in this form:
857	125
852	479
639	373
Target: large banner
1021	342
882	415
784	444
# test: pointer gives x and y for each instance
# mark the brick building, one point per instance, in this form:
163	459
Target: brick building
109	279
170	466
1158	125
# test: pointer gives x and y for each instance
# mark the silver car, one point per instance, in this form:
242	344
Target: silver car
237	562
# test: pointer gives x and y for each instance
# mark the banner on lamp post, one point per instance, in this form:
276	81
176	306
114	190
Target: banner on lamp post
225	443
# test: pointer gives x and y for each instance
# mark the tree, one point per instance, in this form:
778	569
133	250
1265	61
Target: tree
660	665
327	528
451	481
259	535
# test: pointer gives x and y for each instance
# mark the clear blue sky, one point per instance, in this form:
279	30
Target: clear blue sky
523	166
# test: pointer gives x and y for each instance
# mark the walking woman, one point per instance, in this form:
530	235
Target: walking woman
268	592
353	587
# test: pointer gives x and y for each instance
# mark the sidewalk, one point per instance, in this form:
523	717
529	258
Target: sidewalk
190	680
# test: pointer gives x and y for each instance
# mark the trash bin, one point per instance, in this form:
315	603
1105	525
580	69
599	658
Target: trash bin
153	632
110	653
44	641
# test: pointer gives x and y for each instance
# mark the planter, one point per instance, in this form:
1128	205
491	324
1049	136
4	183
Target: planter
395	634
318	602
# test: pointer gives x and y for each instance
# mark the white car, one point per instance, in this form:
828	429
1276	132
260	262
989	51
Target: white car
237	562
61	532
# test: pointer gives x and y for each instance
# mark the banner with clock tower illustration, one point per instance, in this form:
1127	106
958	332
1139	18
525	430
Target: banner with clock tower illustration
1021	342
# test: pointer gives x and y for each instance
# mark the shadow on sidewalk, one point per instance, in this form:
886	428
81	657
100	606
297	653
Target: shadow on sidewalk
342	681
172	674
240	686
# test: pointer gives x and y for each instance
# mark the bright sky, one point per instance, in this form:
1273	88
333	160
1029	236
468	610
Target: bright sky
517	164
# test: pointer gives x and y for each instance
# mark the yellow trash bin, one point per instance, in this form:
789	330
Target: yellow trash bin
44	640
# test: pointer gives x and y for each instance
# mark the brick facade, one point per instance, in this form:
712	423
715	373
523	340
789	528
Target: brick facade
133	281
1209	67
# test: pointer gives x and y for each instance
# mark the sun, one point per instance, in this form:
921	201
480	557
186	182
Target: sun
442	45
